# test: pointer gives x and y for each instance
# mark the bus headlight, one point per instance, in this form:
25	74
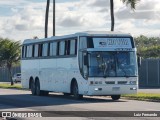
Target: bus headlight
133	82
98	89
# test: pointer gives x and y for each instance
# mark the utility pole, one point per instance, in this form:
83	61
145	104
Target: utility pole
112	14
46	18
54	7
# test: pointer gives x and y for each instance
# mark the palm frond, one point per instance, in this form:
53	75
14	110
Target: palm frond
132	3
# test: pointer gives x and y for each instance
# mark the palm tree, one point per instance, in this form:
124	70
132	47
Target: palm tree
46	18
9	54
54	7
112	14
132	4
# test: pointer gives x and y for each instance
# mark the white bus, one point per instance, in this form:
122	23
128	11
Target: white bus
87	63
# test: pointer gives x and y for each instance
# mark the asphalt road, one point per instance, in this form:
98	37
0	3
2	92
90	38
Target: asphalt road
20	100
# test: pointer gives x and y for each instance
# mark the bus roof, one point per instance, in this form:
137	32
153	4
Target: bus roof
87	33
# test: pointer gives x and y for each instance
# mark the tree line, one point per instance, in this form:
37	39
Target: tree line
9	54
148	47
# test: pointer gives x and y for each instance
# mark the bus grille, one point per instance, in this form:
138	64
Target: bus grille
122	82
110	82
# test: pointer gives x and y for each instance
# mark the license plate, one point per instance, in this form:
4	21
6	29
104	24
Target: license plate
115	88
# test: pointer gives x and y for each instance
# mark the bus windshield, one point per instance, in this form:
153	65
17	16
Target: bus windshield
112	64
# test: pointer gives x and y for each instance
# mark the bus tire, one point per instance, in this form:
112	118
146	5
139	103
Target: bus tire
115	97
45	93
38	91
66	94
75	91
33	88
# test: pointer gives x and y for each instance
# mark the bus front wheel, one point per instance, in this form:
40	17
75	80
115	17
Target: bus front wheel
75	91
115	97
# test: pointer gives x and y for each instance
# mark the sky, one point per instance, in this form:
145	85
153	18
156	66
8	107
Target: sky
24	19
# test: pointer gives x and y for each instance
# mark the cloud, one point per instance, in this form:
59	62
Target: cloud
100	3
144	5
127	14
27	17
125	25
145	10
70	21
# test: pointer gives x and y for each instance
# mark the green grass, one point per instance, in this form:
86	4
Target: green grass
8	86
144	96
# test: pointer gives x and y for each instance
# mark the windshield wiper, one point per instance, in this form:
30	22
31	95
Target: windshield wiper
105	69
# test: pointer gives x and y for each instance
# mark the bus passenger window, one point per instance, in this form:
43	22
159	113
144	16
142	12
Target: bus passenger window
67	47
29	51
35	50
83	43
62	48
40	50
23	51
45	50
53	49
72	47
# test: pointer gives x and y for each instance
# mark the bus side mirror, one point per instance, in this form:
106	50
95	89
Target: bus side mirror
139	60
85	60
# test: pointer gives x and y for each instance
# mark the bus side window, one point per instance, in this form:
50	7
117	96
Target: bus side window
23	51
67	47
75	46
29	51
53	49
48	50
83	43
58	45
45	49
35	50
72	47
62	48
80	62
40	50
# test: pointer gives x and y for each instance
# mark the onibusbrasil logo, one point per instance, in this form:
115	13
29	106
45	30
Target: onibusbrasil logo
6	115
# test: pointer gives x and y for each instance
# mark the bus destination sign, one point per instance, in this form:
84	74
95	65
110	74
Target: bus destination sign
112	43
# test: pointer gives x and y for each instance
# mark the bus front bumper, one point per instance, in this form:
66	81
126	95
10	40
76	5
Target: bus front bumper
112	90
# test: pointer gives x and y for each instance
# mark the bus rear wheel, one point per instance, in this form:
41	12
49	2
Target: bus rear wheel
33	88
45	93
66	94
75	91
115	97
38	91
